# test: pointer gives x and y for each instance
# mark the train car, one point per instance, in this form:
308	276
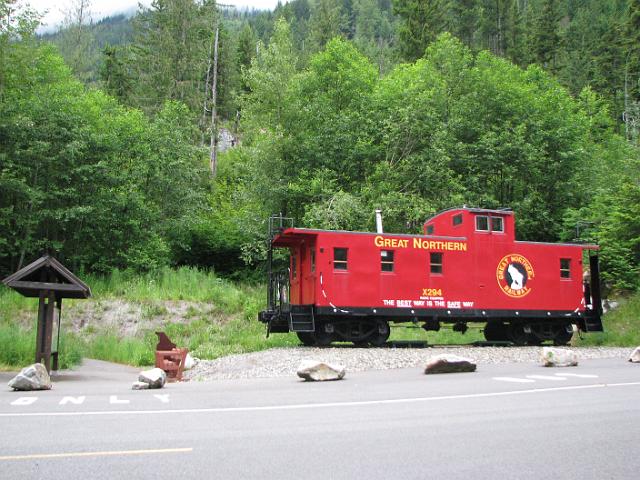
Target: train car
467	267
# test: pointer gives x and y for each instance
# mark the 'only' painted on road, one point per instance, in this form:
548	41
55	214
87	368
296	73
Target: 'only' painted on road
113	400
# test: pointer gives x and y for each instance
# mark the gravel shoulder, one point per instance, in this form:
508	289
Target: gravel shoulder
282	362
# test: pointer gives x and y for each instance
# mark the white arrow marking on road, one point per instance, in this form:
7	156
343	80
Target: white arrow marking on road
513	379
116	400
24	401
546	377
577	375
163	397
74	400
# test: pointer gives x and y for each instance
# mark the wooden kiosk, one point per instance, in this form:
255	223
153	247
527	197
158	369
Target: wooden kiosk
50	281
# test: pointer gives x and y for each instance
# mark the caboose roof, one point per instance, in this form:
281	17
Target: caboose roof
491	211
294	236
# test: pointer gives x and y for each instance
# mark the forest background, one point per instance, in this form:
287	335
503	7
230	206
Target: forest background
339	107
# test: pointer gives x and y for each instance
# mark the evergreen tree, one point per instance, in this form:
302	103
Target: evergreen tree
115	73
172	52
464	19
246	46
327	21
421	22
546	38
77	44
631	52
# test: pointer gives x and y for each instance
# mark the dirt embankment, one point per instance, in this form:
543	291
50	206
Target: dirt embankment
127	318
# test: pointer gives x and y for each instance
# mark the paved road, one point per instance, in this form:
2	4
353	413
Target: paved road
504	421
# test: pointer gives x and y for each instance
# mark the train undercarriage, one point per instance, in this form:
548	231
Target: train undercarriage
375	332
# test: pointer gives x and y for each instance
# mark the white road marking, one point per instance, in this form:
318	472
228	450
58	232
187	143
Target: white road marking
113	399
576	375
74	400
24	401
546	377
163	397
305	406
39	456
514	379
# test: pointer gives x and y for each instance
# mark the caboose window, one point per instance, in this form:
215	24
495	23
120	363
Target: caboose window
386	260
565	268
429	229
340	258
497	224
313	260
435	260
457	220
482	223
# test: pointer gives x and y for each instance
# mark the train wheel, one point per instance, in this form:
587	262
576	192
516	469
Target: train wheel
562	335
308	339
495	332
323	338
517	334
380	336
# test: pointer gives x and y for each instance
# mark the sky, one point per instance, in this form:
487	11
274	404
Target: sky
103	8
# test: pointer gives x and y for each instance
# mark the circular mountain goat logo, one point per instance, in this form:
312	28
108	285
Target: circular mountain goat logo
514	273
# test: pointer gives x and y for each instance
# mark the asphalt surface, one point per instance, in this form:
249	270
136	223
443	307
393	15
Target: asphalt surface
503	421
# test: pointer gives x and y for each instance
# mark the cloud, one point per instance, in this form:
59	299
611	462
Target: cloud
55	11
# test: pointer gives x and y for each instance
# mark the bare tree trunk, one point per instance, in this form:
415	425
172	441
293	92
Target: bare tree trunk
214	128
206	96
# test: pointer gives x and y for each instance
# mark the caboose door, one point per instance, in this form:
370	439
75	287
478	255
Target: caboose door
295	274
307	291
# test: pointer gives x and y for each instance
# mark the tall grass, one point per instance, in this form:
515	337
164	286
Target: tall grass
621	326
229	326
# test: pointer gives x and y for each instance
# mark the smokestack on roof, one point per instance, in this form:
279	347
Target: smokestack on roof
379	221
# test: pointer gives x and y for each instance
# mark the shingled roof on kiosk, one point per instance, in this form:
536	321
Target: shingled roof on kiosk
49	274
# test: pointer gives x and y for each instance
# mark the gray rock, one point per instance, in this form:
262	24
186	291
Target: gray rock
558	357
635	356
139	386
317	371
33	377
155	378
448	363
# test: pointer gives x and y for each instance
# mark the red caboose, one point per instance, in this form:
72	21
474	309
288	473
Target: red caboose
467	267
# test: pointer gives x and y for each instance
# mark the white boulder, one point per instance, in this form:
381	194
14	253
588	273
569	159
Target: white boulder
155	378
447	363
190	362
635	356
33	377
317	371
558	357
140	386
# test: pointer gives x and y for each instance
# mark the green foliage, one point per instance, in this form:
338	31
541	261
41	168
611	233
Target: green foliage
80	176
619	236
620	325
172	52
422	21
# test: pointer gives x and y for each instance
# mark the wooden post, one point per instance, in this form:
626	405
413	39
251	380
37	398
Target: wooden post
46	311
48	330
42	316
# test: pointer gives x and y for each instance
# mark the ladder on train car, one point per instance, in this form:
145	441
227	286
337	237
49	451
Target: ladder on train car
301	318
592	321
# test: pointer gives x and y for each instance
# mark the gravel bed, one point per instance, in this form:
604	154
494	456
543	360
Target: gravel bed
283	362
